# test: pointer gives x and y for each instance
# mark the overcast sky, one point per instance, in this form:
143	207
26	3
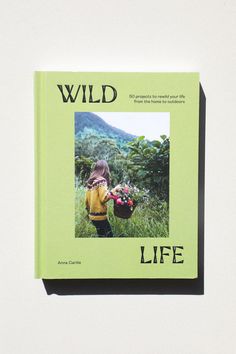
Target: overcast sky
150	124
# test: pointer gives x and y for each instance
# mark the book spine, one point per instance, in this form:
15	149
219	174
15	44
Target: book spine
38	128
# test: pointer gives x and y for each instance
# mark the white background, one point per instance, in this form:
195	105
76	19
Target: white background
116	36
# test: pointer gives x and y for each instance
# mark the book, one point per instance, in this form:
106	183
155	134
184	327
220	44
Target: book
116	175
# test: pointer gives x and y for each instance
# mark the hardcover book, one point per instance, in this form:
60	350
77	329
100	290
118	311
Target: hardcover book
116	175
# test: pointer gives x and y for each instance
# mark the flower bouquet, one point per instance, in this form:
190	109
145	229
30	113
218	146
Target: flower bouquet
124	202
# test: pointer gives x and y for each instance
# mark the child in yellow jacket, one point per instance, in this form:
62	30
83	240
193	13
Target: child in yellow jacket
97	194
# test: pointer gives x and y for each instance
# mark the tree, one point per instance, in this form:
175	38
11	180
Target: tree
83	167
150	165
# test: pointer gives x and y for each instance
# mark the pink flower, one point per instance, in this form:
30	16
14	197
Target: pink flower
126	190
119	201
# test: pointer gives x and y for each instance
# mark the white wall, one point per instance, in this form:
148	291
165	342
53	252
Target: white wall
122	35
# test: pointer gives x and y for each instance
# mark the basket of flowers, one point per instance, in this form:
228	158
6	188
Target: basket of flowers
124	203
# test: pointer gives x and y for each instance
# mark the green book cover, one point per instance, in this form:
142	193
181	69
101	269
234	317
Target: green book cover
116	175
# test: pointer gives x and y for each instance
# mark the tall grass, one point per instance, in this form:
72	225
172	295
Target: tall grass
150	219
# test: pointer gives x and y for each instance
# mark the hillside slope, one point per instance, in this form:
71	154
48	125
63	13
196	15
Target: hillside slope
86	122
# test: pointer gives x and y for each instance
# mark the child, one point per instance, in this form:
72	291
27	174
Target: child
97	194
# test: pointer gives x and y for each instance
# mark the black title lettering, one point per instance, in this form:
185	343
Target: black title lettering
162	254
86	93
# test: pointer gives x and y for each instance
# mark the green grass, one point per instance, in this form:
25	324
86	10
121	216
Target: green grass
150	219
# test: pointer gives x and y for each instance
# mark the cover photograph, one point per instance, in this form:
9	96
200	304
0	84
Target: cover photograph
116	175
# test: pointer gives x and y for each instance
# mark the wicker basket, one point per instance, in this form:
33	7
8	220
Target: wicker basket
123	211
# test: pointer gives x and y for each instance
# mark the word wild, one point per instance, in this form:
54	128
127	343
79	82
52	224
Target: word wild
72	93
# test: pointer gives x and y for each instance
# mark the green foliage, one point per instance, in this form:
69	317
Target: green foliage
83	167
149	165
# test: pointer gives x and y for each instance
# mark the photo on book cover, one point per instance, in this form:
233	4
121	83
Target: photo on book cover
122	174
